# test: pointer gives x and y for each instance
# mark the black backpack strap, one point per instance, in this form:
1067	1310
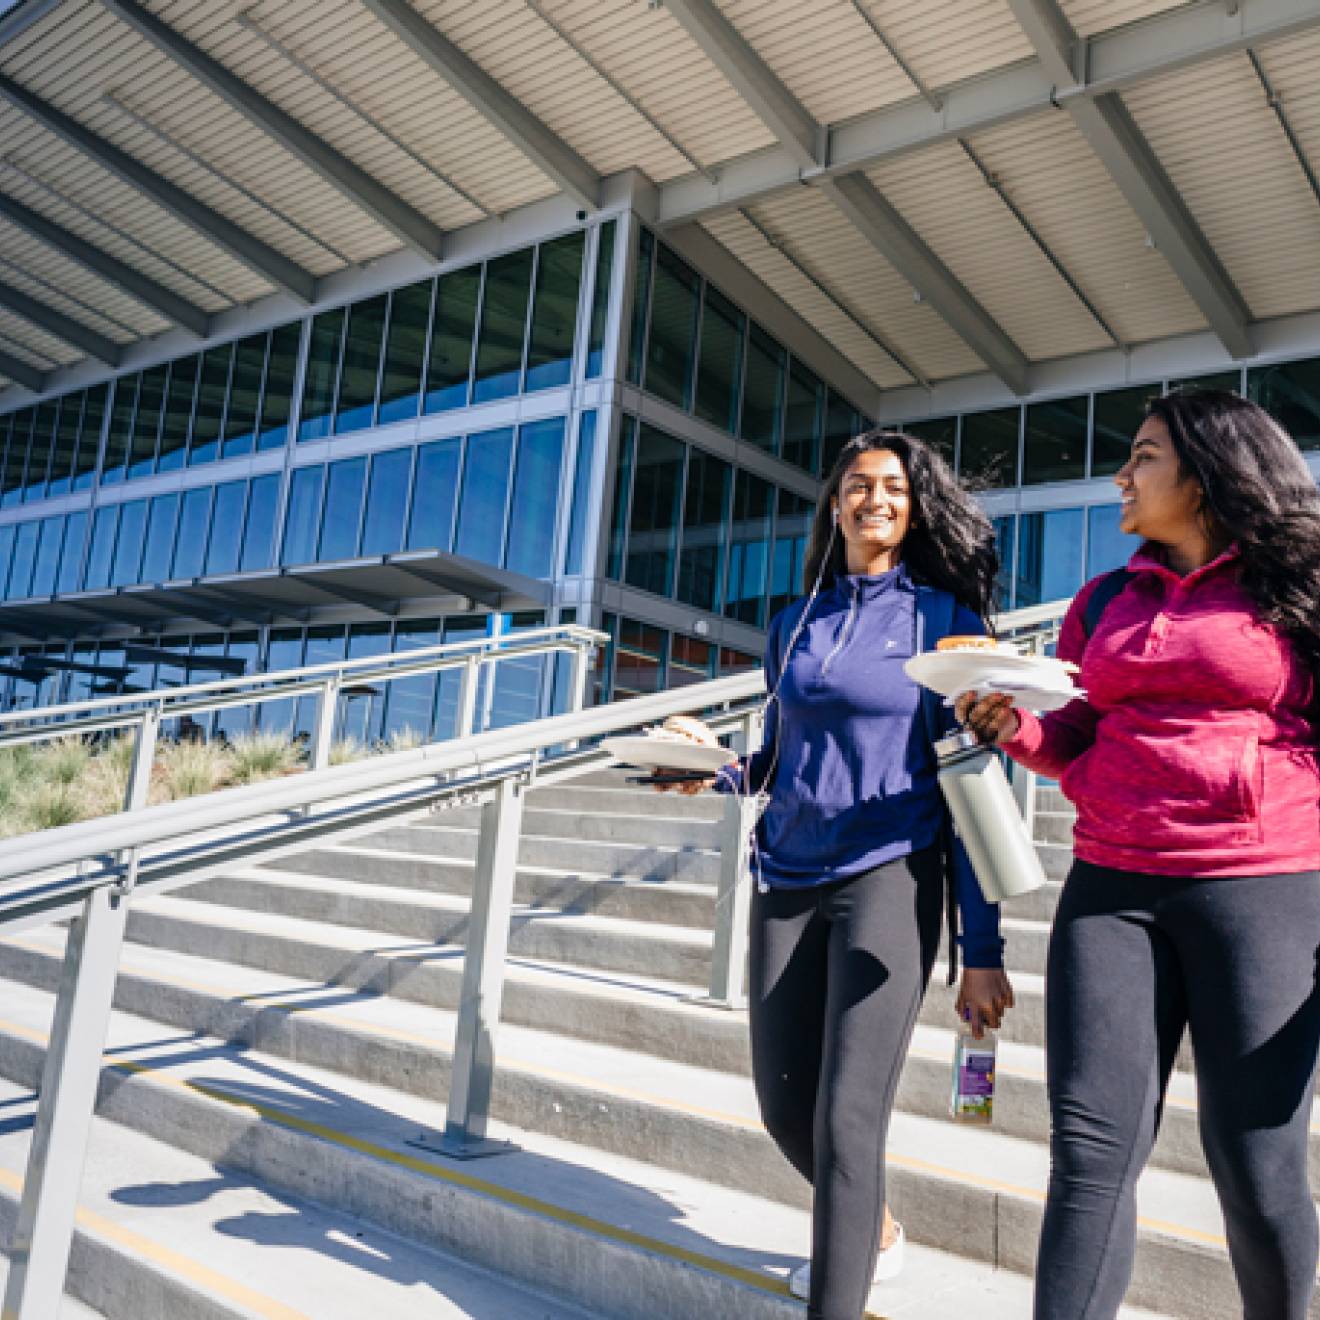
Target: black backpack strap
1097	602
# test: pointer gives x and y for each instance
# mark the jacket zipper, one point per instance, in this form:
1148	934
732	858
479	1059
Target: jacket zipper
845	633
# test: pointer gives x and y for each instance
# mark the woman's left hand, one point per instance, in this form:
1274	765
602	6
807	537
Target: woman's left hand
984	996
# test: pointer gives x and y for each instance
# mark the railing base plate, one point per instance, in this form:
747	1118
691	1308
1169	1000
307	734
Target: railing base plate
456	1148
708	1001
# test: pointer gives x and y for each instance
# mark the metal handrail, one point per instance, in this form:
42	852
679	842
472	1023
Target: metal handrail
92	870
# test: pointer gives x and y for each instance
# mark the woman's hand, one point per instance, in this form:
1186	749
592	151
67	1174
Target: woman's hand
992	718
688	787
984	996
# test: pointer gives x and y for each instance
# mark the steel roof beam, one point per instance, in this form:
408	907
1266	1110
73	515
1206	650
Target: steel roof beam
1113	135
245	248
402	219
1112	60
133	282
74	333
771	101
891	236
544	149
22	373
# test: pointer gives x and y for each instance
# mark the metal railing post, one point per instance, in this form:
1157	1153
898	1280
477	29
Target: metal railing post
579	675
467	697
483	976
39	1251
733	899
327	712
144	756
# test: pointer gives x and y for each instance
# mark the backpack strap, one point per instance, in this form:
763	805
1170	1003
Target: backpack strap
1097	602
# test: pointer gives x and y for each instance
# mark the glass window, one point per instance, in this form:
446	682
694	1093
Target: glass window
690	661
1107	548
146	425
600	298
341	520
622	496
303	519
988	457
71	557
582	469
244	396
792	527
535	498
100	559
16	458
236	720
719	370
361	704
639	660
387	502
259	530
128	543
671	341
278	398
284	650
653	524
1118	417
435	492
194	524
749	550
1005	531
1049	556
318	398
802	421
453	321
121	430
66	445
39	451
481	507
7	534
160	538
940	433
1213	380
47	562
554	312
358	379
503	326
641	305
841	424
1290	393
89	437
705	524
516	689
1054	441
405	353
226	528
410	702
178	414
212	388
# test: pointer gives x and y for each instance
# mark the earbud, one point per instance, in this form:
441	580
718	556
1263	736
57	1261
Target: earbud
835	514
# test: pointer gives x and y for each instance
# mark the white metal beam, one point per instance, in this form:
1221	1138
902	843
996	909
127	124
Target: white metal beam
133	282
543	148
774	105
1111	60
1113	135
74	333
22	373
402	219
246	248
886	230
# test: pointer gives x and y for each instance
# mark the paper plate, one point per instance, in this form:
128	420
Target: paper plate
1035	682
660	754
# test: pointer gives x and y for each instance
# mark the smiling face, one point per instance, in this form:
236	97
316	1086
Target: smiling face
1161	502
874	505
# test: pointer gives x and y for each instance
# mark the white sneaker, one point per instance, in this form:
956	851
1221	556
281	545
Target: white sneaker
888	1265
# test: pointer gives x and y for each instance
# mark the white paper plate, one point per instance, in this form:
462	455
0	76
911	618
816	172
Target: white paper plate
660	754
1034	682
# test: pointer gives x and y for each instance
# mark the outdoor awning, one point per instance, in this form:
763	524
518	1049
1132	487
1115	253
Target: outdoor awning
381	587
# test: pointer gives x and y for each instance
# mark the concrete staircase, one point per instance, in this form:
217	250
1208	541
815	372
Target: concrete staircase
283	1036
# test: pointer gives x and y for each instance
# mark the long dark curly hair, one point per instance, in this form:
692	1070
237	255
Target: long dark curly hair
1260	493
950	543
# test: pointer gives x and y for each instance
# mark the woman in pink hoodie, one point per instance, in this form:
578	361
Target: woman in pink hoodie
1194	900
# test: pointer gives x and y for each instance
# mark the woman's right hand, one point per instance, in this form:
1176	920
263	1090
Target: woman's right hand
992	717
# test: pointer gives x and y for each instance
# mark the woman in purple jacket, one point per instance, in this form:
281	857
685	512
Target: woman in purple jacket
850	855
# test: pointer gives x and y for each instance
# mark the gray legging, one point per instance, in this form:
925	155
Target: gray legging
837	975
1133	959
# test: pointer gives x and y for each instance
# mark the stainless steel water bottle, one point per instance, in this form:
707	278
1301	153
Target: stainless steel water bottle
986	817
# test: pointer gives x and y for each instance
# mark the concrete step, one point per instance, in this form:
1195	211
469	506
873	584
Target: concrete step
647	822
574	796
1055	827
614	1236
673	902
670	952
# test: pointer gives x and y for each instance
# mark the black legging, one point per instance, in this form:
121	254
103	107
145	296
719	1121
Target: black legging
837	976
1132	960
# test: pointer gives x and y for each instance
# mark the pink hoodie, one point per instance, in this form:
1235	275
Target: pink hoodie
1190	754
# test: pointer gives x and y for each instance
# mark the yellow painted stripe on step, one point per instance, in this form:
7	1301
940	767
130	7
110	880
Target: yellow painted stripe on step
166	1257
